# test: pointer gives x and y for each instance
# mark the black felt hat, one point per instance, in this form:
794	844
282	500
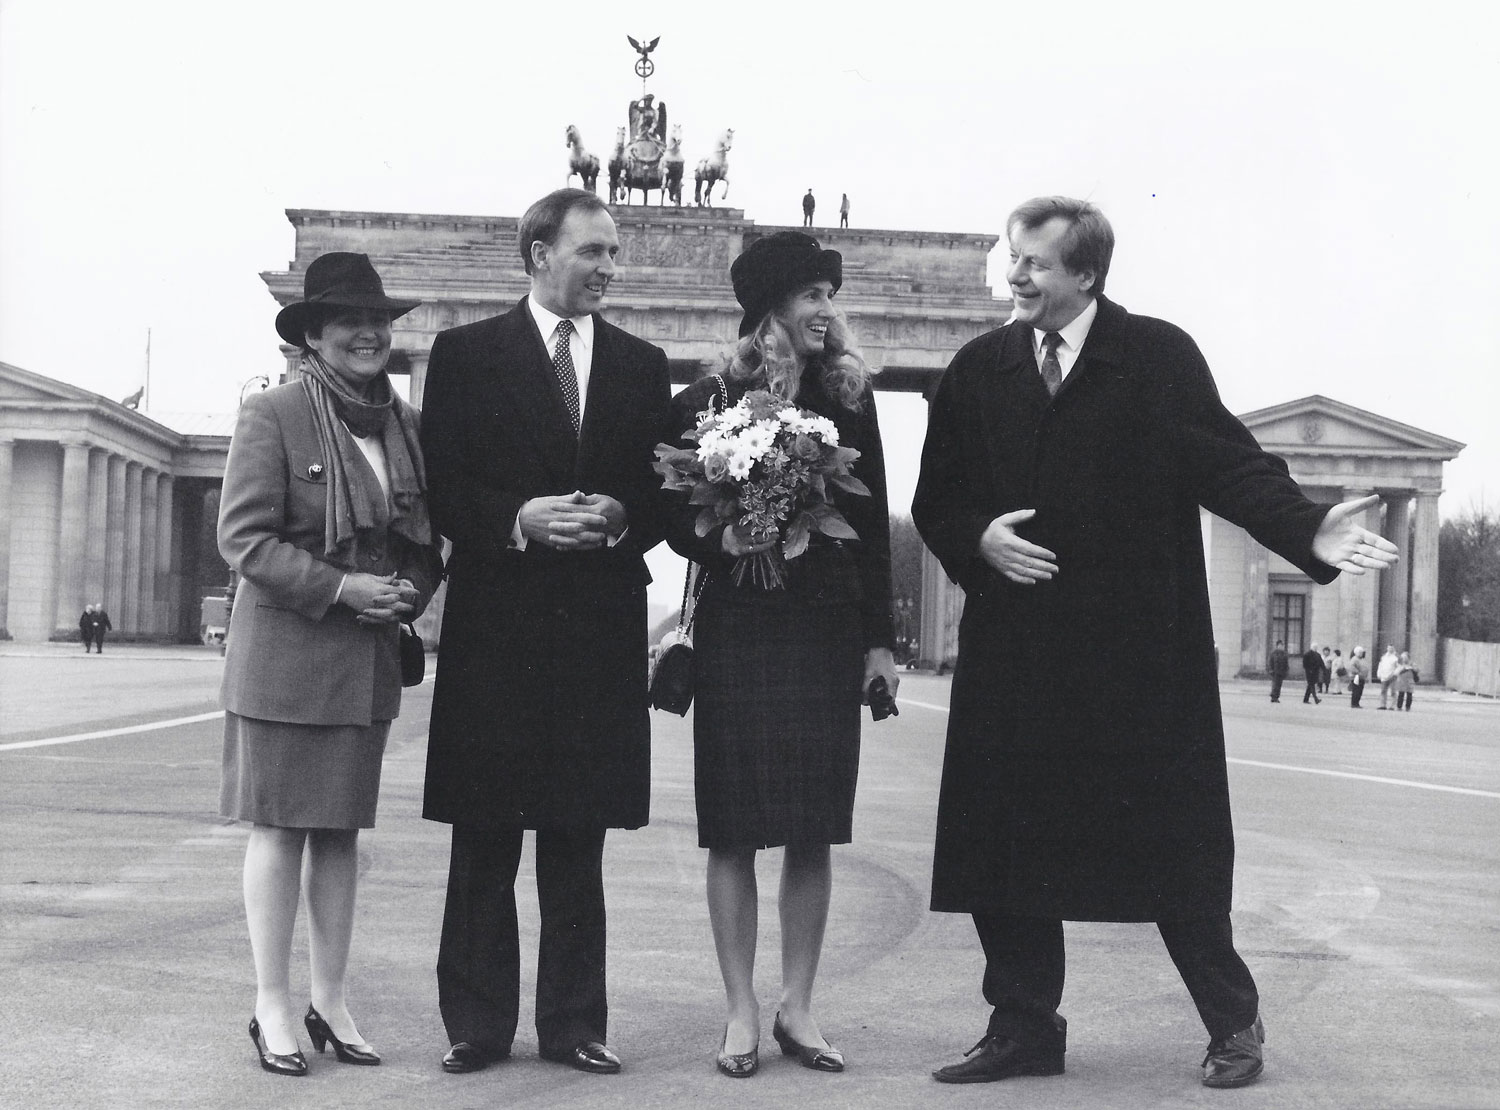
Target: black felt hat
772	267
341	279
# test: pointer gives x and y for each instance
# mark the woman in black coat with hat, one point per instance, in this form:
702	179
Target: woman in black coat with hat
781	673
324	516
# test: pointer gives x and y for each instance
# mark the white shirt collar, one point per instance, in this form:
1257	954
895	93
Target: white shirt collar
1073	334
547	321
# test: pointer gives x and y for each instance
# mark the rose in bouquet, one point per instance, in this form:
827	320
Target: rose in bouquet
770	468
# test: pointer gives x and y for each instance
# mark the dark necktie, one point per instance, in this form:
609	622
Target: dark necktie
1051	368
567	377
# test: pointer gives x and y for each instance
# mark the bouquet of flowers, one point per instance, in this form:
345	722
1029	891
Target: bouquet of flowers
768	467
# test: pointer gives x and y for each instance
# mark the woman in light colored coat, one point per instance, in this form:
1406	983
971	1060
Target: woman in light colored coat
324	517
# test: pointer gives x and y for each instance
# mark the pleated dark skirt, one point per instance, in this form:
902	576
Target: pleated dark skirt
776	713
301	776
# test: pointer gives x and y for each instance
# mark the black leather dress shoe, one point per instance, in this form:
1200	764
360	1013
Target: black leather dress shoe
465	1057
589	1056
997	1056
1235	1060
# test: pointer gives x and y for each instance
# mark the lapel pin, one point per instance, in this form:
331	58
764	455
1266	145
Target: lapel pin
315	470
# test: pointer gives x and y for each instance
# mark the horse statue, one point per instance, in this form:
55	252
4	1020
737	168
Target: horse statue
714	168
581	162
617	166
674	164
643	154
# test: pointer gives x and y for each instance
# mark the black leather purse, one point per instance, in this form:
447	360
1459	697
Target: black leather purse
671	683
413	657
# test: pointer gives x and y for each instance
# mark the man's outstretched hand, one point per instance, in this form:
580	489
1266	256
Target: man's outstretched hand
1344	543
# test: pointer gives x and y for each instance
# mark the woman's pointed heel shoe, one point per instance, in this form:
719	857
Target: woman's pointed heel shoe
737	1065
818	1059
277	1064
322	1035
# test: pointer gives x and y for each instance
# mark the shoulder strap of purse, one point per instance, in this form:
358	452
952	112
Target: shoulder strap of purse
723	392
692	587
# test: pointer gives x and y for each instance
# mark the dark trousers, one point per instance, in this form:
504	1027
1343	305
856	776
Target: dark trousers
1024	965
1276	681
1311	693
1355	690
479	957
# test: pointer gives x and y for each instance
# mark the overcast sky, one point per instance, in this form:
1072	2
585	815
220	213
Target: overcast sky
1310	189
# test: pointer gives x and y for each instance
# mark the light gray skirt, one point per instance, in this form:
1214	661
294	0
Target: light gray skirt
301	776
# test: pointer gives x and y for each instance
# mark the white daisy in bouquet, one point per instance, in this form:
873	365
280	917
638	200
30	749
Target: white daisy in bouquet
769	467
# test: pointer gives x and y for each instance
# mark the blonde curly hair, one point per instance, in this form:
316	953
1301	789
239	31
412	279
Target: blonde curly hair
766	359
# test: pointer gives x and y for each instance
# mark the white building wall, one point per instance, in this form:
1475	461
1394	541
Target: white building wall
36	493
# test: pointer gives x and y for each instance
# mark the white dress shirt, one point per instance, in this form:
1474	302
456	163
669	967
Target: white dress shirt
581	346
1073	335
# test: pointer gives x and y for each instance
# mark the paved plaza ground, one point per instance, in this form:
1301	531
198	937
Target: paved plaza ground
1366	903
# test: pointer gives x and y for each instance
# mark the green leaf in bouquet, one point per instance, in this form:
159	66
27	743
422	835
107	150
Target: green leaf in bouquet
707	521
831	522
704	493
797	534
850	484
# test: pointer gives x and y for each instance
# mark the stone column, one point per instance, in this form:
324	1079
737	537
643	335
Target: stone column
130	607
1422	636
166	609
72	537
1358	592
1393	582
418	377
98	540
1255	621
147	619
114	542
7	455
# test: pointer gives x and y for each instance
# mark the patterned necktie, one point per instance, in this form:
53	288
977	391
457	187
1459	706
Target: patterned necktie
567	377
1051	368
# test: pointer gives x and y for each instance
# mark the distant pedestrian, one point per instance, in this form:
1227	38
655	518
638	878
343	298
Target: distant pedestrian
1359	671
101	626
808	204
1327	669
1385	671
1407	678
1278	666
844	211
1312	667
1340	672
86	628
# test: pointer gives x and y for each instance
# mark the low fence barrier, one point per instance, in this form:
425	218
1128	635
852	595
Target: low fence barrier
1470	667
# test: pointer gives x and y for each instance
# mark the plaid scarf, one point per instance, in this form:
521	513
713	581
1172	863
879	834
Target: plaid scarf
355	504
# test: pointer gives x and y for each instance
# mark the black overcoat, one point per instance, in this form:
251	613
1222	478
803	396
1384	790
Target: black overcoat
1096	792
539	712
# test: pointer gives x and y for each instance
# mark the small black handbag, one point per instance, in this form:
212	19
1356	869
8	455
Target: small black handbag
413	657
671	683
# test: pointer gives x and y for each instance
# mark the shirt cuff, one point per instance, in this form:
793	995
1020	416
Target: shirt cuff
517	539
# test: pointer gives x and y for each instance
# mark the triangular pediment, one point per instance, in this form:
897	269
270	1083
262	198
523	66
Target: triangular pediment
22	385
1321	424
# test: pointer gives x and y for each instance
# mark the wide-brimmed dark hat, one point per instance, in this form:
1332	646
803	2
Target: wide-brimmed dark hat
772	267
342	279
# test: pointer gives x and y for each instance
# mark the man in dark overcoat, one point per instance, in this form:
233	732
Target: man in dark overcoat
1312	669
1278	665
1067	455
538	429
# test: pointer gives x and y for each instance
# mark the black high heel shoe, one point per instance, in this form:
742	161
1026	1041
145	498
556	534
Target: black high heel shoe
274	1062
818	1059
737	1065
322	1035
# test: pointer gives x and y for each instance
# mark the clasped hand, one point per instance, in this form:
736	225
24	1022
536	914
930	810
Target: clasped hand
572	522
378	599
1023	562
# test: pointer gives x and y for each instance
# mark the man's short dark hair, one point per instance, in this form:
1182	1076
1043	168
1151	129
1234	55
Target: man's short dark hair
1089	242
544	219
